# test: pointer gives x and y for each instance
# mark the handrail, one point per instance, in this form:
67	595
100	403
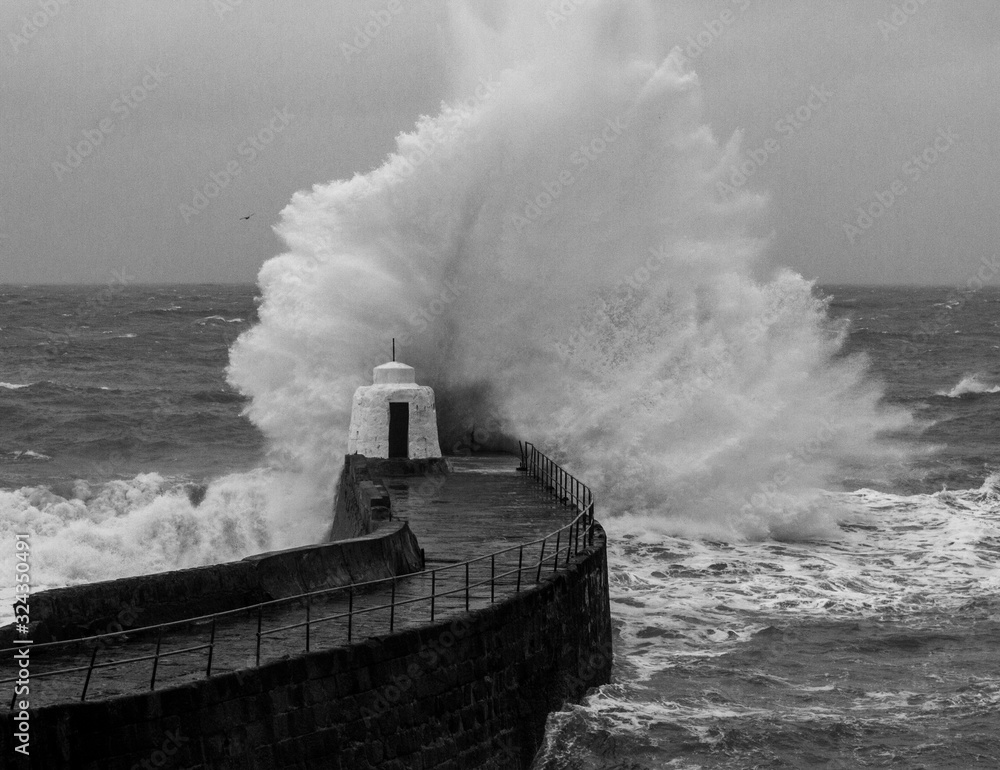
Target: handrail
564	486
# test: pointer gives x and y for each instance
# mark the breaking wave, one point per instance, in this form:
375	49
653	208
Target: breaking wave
554	255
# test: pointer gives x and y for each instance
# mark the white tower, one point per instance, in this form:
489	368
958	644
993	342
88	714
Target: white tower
394	417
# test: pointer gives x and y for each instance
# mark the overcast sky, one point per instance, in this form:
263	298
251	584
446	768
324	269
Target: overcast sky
842	105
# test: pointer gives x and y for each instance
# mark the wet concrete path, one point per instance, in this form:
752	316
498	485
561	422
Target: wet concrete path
483	506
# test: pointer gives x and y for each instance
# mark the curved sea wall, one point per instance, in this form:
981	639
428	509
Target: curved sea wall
146	600
469	692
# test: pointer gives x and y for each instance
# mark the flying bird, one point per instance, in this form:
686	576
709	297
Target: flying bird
248	216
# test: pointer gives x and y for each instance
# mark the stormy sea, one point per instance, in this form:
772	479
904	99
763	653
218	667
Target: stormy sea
872	644
800	483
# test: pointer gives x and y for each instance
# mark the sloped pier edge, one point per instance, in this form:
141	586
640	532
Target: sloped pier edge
145	600
362	499
472	691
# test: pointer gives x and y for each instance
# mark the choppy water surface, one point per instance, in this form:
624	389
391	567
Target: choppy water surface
799	484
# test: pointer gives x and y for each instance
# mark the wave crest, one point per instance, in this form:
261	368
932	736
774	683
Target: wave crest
556	259
970	385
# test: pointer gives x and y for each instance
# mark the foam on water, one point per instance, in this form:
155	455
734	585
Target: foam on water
150	524
970	385
920	564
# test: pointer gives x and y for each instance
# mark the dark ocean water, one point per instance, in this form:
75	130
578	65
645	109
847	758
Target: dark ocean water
937	352
104	382
879	648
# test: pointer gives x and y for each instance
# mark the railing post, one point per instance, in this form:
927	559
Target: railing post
350	613
433	592
555	562
156	659
541	558
211	650
260	619
308	618
520	561
90	669
392	608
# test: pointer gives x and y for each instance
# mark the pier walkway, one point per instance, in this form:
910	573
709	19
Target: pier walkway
484	506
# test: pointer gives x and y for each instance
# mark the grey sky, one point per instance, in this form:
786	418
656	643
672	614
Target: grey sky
265	89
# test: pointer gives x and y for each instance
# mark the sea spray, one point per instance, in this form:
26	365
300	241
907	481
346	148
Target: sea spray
151	524
612	307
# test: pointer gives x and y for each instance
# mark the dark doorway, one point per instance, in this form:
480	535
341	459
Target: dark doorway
399	429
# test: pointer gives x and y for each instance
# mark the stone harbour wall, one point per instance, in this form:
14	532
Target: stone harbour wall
472	691
362	500
145	600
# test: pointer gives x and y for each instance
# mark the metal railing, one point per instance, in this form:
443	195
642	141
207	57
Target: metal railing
504	571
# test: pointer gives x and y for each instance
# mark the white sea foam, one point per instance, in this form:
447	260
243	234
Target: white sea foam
909	562
15	386
970	385
553	253
27	455
897	556
149	524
